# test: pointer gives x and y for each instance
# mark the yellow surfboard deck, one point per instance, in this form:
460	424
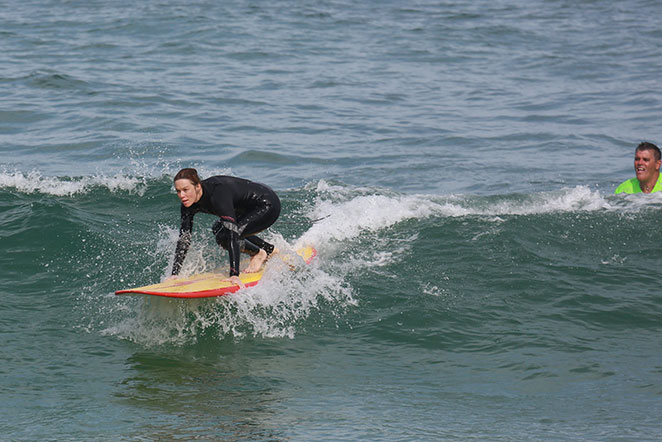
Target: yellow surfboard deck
206	285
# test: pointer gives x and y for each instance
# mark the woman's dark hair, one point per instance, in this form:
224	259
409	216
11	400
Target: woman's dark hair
188	174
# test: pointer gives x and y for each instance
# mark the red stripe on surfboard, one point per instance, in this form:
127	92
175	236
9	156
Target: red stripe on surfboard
188	295
312	255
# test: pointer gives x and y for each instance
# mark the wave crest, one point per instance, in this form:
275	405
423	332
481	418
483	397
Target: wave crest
345	213
35	182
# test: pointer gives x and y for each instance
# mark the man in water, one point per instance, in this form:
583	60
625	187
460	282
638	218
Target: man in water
244	208
647	168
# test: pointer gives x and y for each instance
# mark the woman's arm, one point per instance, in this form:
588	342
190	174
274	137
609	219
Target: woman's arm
184	240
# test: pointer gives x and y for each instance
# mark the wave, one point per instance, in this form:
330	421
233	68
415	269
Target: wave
35	182
136	178
344	212
359	233
350	207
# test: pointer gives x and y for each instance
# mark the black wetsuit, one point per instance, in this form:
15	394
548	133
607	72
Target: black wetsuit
245	208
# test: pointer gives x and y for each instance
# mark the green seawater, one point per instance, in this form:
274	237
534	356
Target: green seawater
452	314
453	163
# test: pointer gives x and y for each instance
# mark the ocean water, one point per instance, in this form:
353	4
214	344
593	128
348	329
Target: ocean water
453	162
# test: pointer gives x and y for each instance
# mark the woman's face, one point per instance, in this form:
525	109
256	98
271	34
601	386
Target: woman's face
188	192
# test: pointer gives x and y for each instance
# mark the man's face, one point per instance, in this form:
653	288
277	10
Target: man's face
645	165
187	192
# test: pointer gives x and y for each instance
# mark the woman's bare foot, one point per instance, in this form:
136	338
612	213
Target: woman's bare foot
236	280
256	262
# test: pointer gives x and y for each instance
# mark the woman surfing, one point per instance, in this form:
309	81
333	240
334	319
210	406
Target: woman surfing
245	208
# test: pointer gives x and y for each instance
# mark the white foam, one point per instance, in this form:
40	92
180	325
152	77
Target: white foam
579	198
133	178
283	301
346	216
35	182
569	200
345	213
275	308
159	321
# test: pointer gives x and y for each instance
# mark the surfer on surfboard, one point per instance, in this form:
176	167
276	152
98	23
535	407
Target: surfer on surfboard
245	208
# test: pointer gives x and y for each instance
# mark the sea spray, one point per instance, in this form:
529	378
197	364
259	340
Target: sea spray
278	307
362	233
35	182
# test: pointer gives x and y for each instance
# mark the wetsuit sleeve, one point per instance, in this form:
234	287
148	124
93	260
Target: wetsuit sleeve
184	240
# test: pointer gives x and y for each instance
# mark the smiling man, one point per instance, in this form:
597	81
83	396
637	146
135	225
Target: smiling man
647	168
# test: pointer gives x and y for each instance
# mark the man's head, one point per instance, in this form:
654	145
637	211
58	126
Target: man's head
647	162
649	146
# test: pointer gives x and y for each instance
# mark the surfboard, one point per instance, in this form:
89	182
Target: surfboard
207	285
